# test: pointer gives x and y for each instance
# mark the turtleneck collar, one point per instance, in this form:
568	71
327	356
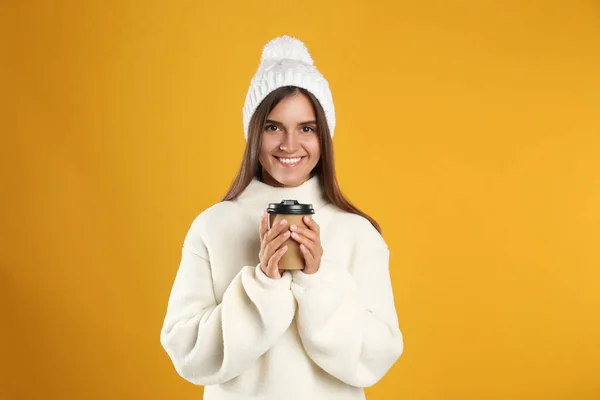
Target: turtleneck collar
257	196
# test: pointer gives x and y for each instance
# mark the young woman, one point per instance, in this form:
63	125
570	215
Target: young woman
237	324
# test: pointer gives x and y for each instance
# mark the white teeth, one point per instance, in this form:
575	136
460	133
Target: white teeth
290	160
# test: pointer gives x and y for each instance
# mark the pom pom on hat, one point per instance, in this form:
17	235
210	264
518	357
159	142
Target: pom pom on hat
286	47
285	61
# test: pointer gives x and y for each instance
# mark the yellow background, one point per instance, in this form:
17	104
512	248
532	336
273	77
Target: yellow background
470	130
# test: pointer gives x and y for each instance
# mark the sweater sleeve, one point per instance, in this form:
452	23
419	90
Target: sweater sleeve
348	323
211	343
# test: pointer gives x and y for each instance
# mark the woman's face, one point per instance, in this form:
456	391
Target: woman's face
290	142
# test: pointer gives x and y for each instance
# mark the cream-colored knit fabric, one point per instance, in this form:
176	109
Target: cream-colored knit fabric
245	336
286	61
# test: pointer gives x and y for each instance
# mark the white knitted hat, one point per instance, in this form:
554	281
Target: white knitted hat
286	61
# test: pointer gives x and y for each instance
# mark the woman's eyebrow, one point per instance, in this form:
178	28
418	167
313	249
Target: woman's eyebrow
271	121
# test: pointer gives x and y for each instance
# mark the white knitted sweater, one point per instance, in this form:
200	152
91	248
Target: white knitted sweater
245	336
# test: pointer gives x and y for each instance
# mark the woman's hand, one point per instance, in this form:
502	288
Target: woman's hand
310	244
270	243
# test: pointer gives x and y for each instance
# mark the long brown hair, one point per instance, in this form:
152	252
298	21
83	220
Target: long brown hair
325	168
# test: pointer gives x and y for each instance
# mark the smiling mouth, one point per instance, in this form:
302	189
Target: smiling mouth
290	161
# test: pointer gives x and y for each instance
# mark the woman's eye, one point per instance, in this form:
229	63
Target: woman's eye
307	129
270	128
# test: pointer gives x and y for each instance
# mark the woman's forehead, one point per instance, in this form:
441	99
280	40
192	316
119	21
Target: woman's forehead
296	108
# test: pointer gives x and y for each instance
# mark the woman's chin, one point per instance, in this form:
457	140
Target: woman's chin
291	181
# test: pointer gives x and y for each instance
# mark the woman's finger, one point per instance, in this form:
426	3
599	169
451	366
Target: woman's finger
274	261
302	239
276	243
276	230
271	234
311	224
305	232
311	246
308	256
263	228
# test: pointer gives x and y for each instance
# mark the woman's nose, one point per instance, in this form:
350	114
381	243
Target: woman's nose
289	142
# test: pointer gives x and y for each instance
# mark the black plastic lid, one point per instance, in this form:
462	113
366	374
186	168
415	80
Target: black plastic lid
287	207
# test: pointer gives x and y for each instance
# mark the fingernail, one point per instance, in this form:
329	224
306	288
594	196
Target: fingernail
293	227
283	222
286	234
